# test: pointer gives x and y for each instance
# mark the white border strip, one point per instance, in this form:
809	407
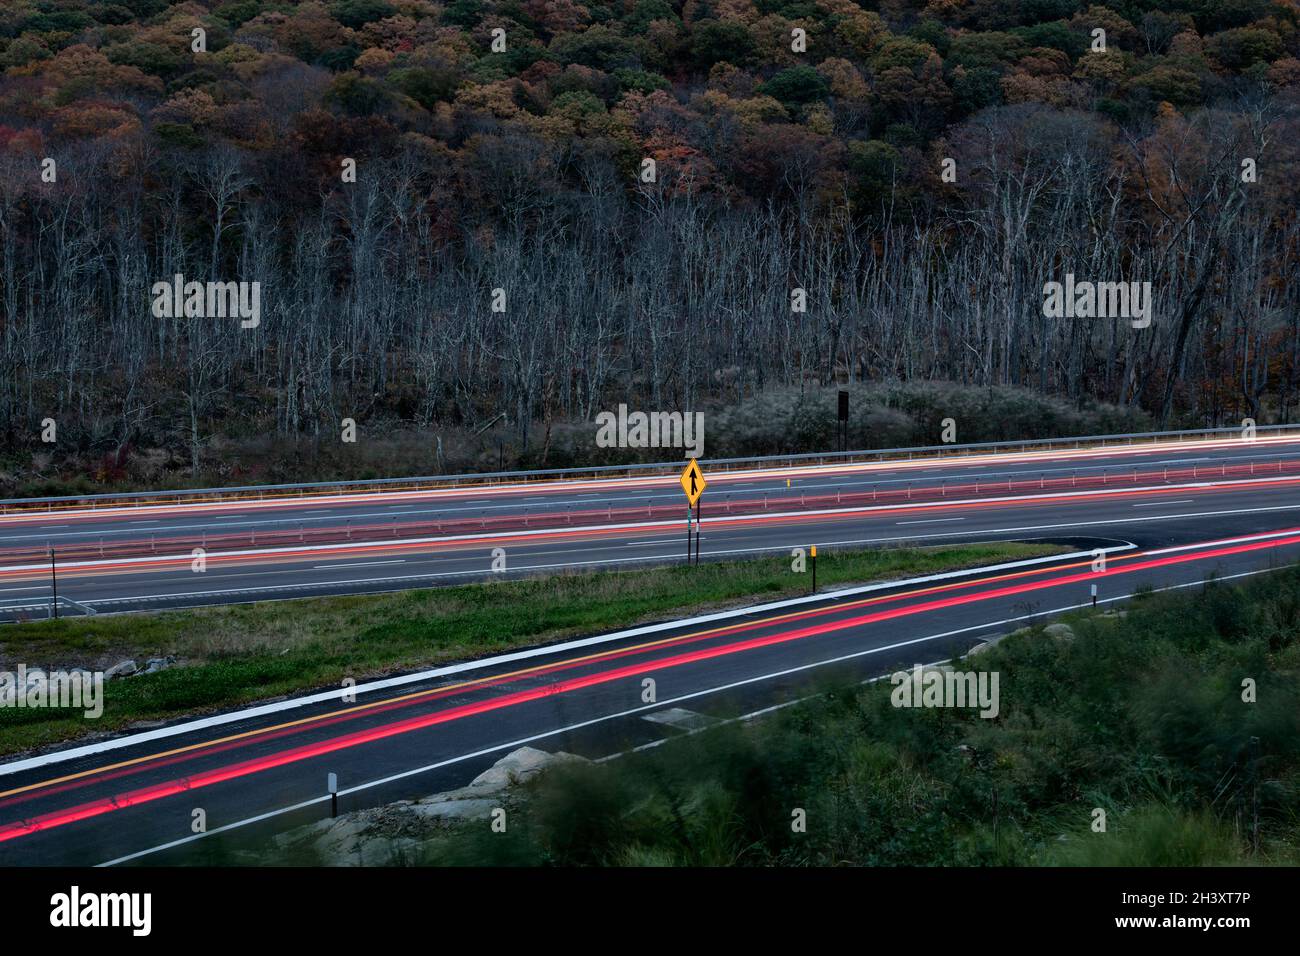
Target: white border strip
326	696
326	588
334	695
663	703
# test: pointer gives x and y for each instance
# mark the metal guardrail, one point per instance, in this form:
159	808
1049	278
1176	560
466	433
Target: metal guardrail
653	469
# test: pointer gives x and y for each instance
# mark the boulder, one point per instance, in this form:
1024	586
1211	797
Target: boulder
397	833
516	767
121	669
454	809
1059	632
155	664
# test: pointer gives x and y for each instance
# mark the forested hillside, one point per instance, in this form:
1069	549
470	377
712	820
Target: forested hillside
920	170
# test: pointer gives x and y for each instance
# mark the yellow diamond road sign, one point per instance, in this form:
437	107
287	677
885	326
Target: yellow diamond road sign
693	482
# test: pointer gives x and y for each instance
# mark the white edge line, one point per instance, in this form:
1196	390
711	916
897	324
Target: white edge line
325	696
333	695
663	703
322	588
665	526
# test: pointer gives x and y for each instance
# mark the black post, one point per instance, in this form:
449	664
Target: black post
688	535
814	564
844	420
54	583
697	531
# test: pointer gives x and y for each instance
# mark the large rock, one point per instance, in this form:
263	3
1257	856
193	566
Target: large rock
121	669
156	664
516	767
453	809
396	833
1059	632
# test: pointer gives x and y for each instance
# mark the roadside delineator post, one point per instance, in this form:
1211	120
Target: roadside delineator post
1094	595
332	785
813	555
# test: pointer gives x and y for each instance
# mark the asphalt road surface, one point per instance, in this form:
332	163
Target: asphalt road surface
149	557
1169	518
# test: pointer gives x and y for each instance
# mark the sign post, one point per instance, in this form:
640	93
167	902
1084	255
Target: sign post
693	485
688	534
697	532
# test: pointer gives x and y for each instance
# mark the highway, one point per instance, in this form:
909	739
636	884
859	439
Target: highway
132	799
181	555
1167	517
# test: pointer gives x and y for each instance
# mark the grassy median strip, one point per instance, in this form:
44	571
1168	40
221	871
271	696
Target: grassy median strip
238	654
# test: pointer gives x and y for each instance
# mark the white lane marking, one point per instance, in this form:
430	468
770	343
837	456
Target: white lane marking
526	740
237	592
364	564
1261	536
403	581
1158	504
221	829
651	526
636	710
752	715
930	521
335	695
